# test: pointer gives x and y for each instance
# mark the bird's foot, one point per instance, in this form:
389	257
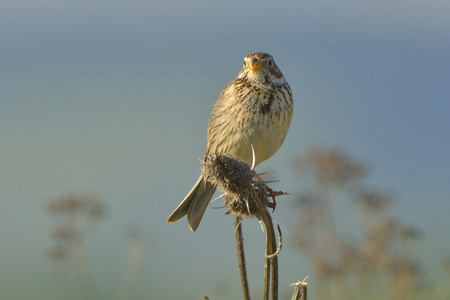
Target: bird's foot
274	194
271	192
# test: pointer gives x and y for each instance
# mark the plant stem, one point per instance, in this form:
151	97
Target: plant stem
271	249
241	256
270	262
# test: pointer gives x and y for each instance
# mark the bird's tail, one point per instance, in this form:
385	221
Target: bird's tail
194	204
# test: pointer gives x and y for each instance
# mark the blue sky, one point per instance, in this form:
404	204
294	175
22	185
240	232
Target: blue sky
113	98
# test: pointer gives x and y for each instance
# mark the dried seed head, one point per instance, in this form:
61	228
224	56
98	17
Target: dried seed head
234	178
65	233
227	173
57	253
77	204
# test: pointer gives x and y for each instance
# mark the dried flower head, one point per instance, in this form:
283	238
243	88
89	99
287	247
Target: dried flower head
234	178
65	232
374	201
331	166
57	253
77	204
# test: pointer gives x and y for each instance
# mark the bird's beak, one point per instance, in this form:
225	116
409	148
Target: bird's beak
255	65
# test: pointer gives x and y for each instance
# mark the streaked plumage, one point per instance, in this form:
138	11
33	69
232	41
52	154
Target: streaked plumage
255	109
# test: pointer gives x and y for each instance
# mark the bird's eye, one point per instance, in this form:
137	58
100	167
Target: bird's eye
245	63
270	62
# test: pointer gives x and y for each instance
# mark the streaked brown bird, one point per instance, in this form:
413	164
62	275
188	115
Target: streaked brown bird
253	110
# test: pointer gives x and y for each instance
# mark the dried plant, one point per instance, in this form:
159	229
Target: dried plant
300	291
75	216
356	248
245	197
442	291
236	181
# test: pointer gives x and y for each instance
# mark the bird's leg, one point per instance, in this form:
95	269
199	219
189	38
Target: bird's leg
272	193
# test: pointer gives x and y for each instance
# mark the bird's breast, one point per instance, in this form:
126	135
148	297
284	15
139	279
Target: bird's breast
250	117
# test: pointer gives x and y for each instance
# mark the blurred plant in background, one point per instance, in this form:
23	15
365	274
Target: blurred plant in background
76	217
442	291
356	248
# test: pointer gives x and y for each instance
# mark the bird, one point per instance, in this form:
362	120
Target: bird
249	120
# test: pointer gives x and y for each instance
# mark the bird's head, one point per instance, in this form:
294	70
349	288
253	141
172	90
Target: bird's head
260	67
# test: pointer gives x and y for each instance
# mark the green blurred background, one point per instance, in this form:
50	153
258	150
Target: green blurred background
112	99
